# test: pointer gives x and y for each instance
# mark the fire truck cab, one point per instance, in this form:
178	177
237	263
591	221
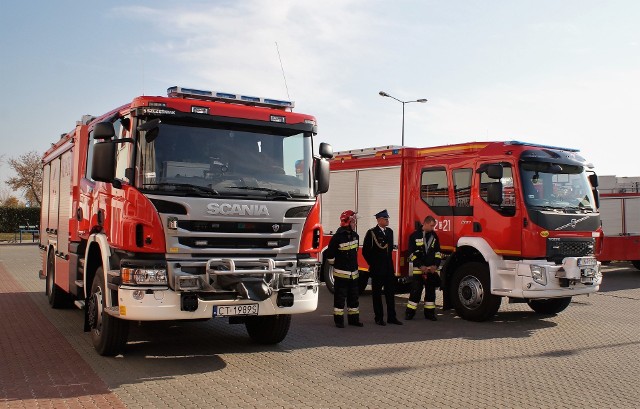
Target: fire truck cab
516	220
192	206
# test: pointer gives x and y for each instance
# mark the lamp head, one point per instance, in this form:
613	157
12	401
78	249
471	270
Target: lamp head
383	94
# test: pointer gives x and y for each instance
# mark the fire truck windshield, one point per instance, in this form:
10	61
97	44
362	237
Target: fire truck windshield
226	162
556	186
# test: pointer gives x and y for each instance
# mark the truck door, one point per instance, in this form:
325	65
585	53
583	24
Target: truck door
434	193
498	223
462	224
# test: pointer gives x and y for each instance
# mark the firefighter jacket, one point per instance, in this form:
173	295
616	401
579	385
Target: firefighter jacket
343	250
424	249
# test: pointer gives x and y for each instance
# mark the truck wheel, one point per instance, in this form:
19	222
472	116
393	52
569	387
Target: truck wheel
363	281
471	292
327	272
268	329
636	264
550	306
58	298
108	334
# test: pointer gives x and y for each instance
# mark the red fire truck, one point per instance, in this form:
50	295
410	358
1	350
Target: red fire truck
517	220
192	206
620	213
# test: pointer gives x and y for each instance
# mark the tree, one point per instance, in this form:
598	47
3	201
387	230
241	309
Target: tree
28	168
12	201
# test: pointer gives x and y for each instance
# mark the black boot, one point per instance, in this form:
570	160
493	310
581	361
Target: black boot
354	319
339	320
409	314
430	314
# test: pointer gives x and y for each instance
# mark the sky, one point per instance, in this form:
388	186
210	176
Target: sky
562	73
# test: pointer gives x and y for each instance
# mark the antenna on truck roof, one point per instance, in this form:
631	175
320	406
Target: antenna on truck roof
282	68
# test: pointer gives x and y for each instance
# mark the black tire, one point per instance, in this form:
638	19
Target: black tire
57	297
108	334
327	273
550	306
471	292
268	329
636	264
363	281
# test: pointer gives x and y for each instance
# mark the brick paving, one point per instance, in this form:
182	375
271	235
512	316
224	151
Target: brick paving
587	356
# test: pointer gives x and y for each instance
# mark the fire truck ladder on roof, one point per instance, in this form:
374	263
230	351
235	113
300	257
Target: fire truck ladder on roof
368	151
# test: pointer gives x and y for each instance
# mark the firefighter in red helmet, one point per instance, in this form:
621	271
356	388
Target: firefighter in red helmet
342	253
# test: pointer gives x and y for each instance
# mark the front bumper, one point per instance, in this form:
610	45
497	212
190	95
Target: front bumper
196	287
550	281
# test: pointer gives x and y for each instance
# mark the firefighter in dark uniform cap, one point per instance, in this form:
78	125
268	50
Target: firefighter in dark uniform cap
377	249
424	252
342	253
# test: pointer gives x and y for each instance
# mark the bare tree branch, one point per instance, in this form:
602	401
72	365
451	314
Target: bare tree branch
28	168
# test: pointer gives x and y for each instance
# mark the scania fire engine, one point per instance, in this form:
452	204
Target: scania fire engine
515	219
193	206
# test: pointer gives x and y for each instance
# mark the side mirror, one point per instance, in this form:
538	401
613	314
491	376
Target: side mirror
103	168
326	150
494	193
494	171
103	131
593	179
322	175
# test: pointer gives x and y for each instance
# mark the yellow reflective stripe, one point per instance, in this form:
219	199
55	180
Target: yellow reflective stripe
412	305
413	257
417	272
353	311
430	305
338	311
340	275
438	255
348	245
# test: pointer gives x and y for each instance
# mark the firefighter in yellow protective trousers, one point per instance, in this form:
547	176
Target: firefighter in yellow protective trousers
343	254
424	252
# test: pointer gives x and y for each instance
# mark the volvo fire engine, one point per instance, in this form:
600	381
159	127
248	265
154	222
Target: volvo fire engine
516	220
193	206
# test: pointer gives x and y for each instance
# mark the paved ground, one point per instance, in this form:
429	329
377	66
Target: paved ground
587	356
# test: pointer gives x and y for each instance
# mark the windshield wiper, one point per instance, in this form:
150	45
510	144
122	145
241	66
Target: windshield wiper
181	187
272	192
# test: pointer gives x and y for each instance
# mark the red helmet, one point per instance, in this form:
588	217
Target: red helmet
347	217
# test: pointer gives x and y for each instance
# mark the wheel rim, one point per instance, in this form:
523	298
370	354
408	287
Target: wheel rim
95	311
470	292
330	277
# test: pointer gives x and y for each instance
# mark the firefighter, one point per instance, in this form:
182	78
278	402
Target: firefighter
342	253
377	250
424	252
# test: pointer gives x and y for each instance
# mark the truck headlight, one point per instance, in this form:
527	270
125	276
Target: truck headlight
308	272
144	276
539	274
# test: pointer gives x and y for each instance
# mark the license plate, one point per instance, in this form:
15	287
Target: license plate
235	310
587	261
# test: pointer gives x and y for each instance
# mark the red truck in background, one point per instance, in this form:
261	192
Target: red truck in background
517	220
620	214
192	206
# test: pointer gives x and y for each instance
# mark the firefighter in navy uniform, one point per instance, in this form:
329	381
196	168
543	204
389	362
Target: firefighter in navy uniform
342	253
424	252
377	250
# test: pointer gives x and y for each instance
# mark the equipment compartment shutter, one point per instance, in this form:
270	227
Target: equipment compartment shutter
340	197
379	189
632	215
64	207
54	193
44	211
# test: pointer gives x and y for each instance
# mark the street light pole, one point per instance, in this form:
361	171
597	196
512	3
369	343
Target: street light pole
421	100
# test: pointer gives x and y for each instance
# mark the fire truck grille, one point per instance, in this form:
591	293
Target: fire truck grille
232	227
233	243
557	249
